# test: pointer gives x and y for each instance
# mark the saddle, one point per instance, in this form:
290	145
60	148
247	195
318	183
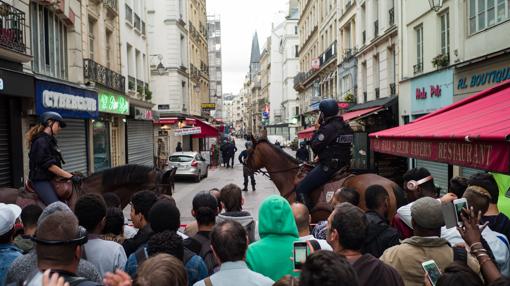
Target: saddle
63	188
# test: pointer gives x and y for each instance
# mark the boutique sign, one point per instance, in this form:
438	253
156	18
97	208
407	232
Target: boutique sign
113	103
69	101
431	92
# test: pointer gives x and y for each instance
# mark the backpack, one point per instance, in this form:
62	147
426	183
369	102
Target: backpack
201	245
141	255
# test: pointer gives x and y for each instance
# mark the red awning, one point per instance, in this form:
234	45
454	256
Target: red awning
474	132
207	129
307	133
360	113
174	120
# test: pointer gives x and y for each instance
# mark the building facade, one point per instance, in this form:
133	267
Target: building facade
215	64
262	109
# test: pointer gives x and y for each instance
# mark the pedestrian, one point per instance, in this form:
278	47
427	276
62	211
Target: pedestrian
179	147
458	274
112	200
29	216
303	219
225	155
302	154
287	280
332	144
380	235
457	186
425	244
326	268
9	213
141	203
229	243
247	172
26	265
232	152
59	240
113	226
347	226
205	210
45	159
107	256
270	255
231	200
192	227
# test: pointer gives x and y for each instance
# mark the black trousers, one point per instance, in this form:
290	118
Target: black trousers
248	173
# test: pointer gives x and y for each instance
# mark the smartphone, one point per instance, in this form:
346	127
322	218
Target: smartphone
300	254
432	270
458	205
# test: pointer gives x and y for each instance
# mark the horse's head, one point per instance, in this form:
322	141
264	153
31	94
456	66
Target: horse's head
165	181
254	160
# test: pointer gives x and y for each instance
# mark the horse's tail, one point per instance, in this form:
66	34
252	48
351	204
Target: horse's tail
399	195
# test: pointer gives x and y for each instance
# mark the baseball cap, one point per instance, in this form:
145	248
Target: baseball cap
426	212
8	215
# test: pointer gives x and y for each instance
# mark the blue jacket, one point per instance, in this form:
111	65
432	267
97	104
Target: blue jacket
8	252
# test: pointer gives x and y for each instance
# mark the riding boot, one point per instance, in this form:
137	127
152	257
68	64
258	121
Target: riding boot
245	189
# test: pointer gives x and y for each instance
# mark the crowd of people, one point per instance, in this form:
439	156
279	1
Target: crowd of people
225	245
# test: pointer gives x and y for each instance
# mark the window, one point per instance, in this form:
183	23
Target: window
487	13
445	33
163	106
419	47
49	42
297	110
129	14
295	30
91	39
101	141
296	50
109	55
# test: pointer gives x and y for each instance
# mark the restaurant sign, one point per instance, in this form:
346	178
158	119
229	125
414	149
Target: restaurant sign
188	131
493	156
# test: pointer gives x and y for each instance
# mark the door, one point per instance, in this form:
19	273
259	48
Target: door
115	146
5	157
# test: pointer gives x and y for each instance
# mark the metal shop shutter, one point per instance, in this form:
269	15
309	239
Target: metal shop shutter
468	172
5	161
72	141
140	142
439	171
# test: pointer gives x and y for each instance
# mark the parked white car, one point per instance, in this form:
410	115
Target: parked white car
189	164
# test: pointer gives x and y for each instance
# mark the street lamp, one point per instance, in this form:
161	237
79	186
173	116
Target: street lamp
161	68
436	5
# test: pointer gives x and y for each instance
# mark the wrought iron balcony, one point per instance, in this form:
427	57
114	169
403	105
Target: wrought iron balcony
393	89
131	83
329	54
97	73
112	7
12	28
391	13
418	68
376	28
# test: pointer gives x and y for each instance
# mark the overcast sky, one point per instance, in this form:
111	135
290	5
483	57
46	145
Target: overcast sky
239	20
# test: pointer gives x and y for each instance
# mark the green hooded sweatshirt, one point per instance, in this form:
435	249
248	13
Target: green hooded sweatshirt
270	256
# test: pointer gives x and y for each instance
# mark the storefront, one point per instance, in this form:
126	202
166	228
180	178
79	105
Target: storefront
140	136
16	88
109	131
429	93
78	106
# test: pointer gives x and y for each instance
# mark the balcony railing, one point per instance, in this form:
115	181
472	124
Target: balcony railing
97	73
111	6
376	28
418	68
137	23
129	14
364	37
328	54
393	89
131	83
377	93
12	28
391	13
194	72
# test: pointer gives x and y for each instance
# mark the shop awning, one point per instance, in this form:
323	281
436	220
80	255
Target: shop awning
174	120
474	132
207	129
308	132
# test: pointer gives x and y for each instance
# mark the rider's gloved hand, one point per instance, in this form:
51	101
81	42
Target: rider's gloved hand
76	179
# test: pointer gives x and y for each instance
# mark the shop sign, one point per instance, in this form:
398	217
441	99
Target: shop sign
208	106
493	156
67	100
188	131
113	103
14	83
431	92
142	113
481	76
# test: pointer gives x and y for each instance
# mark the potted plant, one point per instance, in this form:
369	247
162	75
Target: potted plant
349	97
441	61
148	93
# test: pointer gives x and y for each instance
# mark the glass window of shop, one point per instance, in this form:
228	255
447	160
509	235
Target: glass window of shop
101	137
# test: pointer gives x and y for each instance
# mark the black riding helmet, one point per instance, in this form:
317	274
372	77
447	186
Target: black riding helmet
51	115
328	107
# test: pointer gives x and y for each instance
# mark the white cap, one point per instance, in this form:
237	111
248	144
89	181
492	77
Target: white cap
8	215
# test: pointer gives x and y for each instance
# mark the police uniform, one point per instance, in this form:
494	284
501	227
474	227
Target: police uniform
303	154
247	172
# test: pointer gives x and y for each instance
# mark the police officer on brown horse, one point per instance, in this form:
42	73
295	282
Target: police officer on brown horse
331	144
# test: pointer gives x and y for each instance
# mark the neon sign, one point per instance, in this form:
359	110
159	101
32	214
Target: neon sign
113	103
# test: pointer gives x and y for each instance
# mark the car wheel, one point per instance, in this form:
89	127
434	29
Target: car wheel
198	177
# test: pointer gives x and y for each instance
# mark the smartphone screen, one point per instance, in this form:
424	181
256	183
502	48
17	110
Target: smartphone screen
432	270
300	253
459	205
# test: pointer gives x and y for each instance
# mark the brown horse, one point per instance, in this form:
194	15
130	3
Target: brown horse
123	181
286	172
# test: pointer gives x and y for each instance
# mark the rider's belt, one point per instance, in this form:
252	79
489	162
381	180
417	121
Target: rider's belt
344	139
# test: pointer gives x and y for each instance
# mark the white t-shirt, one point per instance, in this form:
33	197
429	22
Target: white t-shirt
107	256
324	244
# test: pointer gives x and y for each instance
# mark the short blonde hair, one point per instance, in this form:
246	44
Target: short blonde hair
161	270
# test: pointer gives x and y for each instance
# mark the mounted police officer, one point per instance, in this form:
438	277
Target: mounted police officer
331	144
45	157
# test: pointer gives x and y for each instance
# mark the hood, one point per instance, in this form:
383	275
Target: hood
244	218
275	217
